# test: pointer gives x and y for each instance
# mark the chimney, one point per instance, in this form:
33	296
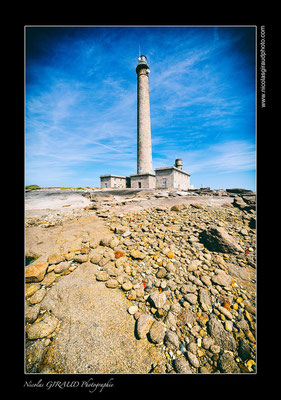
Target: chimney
178	163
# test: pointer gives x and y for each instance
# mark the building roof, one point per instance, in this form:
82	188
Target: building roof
112	176
169	168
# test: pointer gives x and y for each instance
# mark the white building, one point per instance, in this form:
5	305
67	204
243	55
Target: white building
113	181
172	177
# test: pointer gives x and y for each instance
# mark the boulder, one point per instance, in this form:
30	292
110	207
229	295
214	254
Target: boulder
182	366
221	337
217	239
35	272
157	332
42	328
144	323
227	364
221	278
158	299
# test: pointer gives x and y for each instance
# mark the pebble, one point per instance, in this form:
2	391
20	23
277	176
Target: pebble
132	310
193	359
144	323
127	286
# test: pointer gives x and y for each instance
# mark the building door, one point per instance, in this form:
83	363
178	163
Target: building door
139	184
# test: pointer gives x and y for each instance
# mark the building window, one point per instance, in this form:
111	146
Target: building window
105	185
164	181
139	184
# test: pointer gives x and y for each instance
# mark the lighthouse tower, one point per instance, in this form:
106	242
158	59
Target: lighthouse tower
144	177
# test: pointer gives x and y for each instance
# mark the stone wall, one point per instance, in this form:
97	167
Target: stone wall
111	182
146	180
174	179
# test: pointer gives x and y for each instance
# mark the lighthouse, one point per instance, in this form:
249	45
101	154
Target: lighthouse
144	177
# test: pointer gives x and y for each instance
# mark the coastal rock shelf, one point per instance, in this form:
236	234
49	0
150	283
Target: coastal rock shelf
183	279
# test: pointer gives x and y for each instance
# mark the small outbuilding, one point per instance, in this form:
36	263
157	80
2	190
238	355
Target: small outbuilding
172	177
113	181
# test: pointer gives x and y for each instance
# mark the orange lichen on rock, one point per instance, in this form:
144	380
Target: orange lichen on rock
119	253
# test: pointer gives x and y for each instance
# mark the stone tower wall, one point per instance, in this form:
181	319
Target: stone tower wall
144	128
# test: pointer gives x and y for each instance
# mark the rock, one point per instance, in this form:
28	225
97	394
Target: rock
31	313
49	279
182	366
224	311
140	292
192	347
161	273
119	253
193	359
30	289
222	338
42	328
217	239
114	243
97	335
111	283
250	336
55	258
177	207
144	323
207	342
35	272
206	279
38	296
127	286
121	229
171	339
105	241
137	254
238	272
251	309
171	254
96	255
221	278
240	203
170	320
214	348
243	324
171	267
239	191
204	297
227	364
187	317
102	276
228	326
193	265
244	350
157	332
158	299
81	258
188	288
34	356
63	266
191	298
132	310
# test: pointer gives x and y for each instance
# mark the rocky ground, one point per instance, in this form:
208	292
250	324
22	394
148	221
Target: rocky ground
185	263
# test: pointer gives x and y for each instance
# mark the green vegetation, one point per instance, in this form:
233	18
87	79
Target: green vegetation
32	187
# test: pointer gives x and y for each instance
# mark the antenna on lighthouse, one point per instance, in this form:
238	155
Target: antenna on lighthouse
139	51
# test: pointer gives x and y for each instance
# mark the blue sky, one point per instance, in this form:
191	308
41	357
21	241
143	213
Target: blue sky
81	103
